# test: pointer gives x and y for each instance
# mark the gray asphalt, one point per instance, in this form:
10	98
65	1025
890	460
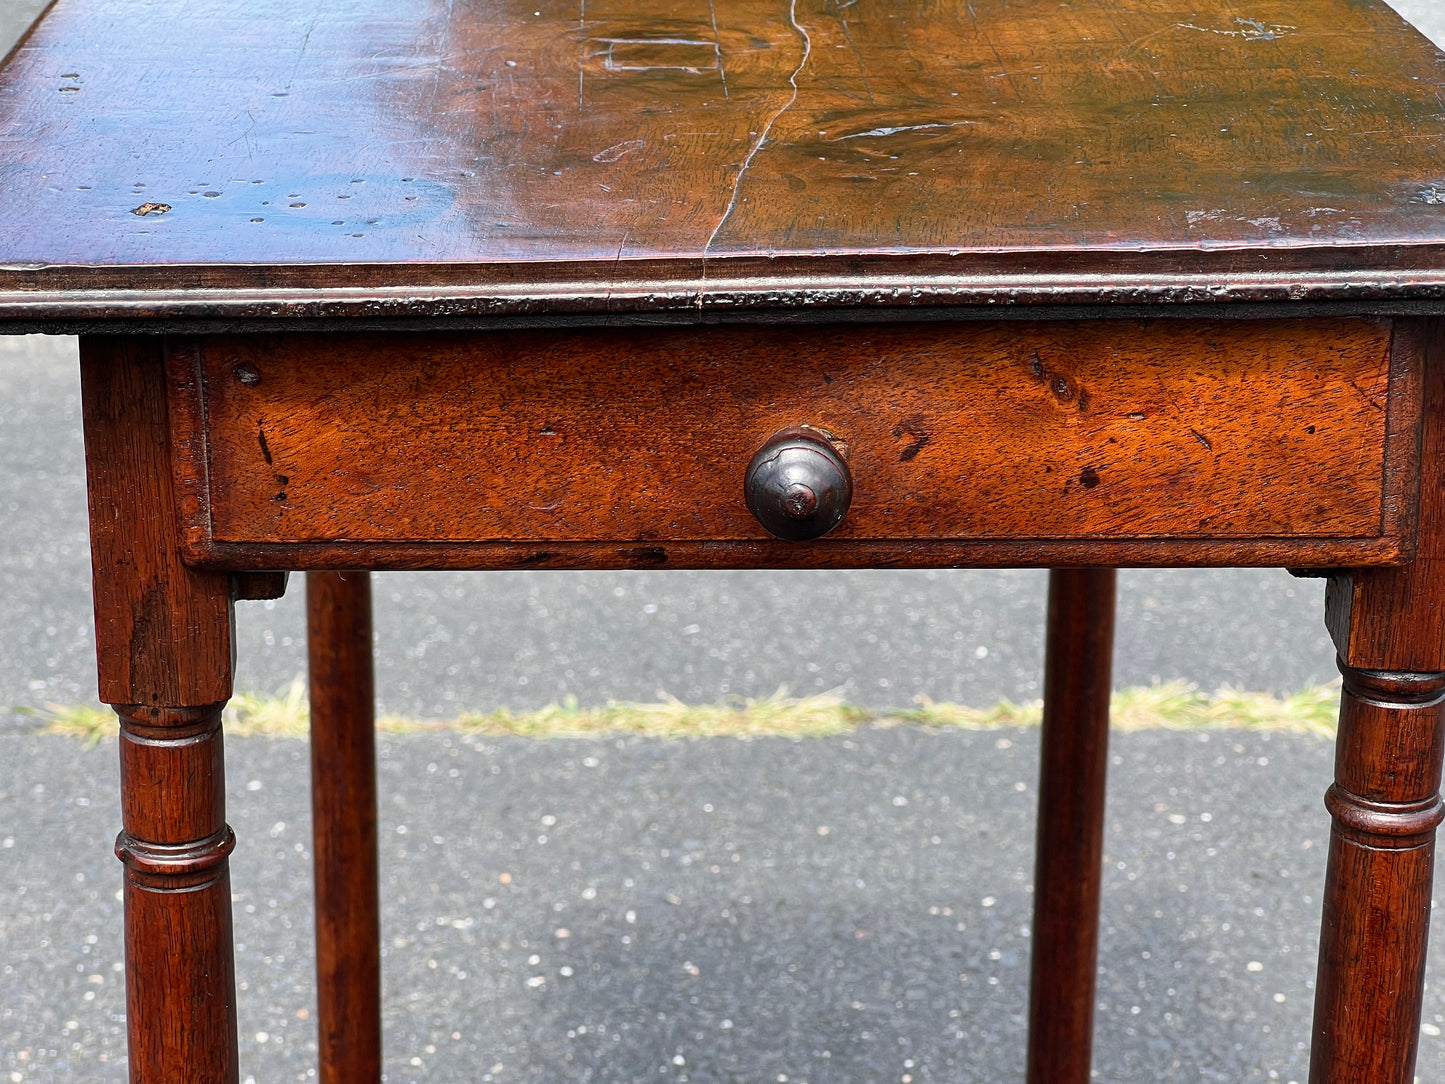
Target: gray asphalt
713	930
724	911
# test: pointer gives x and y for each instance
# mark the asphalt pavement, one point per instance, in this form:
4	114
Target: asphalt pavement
844	909
852	910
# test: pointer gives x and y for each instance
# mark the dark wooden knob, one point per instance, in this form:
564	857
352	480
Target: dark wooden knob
798	485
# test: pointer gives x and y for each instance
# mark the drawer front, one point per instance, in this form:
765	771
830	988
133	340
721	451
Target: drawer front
1152	433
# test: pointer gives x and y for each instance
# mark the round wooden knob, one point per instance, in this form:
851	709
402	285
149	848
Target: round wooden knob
798	485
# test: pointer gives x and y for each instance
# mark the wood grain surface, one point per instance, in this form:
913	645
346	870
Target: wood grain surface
423	156
163	632
342	683
163	638
1095	430
1068	858
1385	801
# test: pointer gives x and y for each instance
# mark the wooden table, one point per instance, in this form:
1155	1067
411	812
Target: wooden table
416	284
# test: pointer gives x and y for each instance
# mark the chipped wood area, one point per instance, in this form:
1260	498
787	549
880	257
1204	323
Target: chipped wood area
631	149
1106	430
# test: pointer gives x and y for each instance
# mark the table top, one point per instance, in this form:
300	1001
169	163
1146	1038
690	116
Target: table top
423	157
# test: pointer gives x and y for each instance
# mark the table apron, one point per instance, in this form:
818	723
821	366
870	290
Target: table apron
1123	442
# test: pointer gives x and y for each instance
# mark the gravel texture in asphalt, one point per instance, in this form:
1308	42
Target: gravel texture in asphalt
845	909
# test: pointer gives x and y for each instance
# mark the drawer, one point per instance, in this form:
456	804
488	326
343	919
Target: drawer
1250	441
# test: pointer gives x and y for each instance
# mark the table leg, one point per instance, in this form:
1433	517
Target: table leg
1078	662
163	643
343	802
1389	628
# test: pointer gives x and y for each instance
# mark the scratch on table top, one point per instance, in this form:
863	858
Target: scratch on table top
646	57
581	51
840	7
888	131
994	49
763	135
1251	30
717	43
616	265
305	42
246	136
1129	61
618	151
441	58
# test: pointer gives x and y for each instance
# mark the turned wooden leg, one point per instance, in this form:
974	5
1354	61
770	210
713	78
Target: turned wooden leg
163	643
180	978
343	803
1389	628
1078	662
1386	807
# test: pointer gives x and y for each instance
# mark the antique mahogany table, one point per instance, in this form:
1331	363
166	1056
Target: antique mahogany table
765	283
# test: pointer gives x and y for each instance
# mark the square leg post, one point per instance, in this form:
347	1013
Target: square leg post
163	642
1389	628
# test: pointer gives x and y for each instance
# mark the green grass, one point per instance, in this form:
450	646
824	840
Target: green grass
1172	705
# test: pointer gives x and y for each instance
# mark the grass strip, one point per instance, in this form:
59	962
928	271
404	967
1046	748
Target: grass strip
1174	705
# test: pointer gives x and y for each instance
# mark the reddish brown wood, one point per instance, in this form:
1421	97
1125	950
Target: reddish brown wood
1078	664
1386	798
343	808
252	586
1105	430
822	553
180	979
163	640
429	158
1386	807
163	632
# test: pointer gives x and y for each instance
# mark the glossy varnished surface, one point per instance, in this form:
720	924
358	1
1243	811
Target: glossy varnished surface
1385	801
602	153
163	645
342	683
1252	432
1068	859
